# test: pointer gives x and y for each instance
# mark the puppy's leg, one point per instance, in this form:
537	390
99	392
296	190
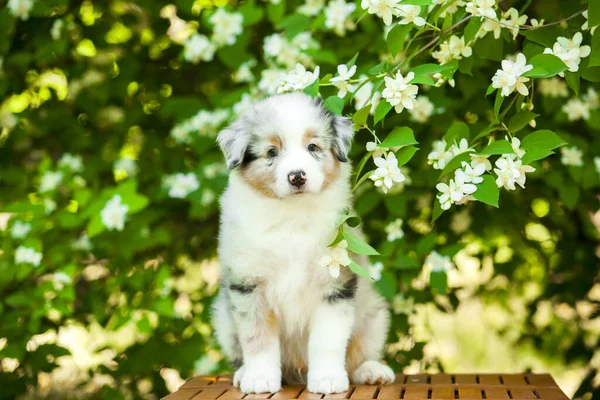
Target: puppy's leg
330	330
259	339
226	331
366	344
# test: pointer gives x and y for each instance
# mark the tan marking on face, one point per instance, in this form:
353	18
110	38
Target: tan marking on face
275	141
354	353
259	179
308	136
331	168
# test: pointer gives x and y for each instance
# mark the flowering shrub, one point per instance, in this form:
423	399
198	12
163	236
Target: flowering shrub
109	175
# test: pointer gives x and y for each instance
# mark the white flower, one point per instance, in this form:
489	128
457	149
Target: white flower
410	14
463	185
515	143
461	147
394	230
74	163
337	16
509	78
341	80
384	9
298	79
473	174
244	72
226	27
337	257
82	243
50	205
591	97
490	25
198	48
19	230
570	51
311	7
422	110
377	151
513	20
272	45
454	48
553	87
27	255
50	180
208	197
113	214
576	109
56	29
20	8
270	80
586	24
597	164
439	157
508	172
126	166
387	172
482	8
244	104
399	92
523	169
571	156
448	192
180	185
305	41
362	96
402	305
461	221
375	271
478	159
437	263
535	23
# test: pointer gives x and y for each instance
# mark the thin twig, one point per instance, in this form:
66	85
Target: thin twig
531	27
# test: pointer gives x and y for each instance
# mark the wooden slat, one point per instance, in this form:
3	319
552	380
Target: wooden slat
257	396
442	393
198	382
466	378
209	394
308	395
400	378
441	379
469	393
496	393
541	380
421	378
182	394
551	394
343	395
288	392
514	380
416	392
489	379
363	392
389	392
521	394
232	394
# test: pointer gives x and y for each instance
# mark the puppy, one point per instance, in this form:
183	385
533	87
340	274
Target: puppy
278	313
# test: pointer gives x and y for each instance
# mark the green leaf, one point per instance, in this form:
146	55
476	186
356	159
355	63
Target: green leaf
487	191
401	136
294	24
359	167
360	117
593	13
418	2
351	220
437	210
455	163
458	130
548	62
546	36
490	90
275	12
572	79
356	245
396	37
405	154
387	285
359	270
352	61
404	261
426	244
313	89
438	281
252	14
498	147
498	103
540	144
423	80
594	60
334	104
472	28
430	69
486	131
537	72
520	120
381	111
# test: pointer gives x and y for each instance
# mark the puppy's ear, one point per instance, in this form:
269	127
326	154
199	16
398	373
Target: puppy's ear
233	142
343	133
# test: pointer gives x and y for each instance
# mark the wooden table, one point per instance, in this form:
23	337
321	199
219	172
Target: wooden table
407	387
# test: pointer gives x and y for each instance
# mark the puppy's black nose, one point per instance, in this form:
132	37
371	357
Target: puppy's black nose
297	178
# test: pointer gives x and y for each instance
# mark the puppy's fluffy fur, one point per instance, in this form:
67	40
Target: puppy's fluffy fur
279	314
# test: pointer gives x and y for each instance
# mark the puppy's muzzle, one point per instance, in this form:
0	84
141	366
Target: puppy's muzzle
297	178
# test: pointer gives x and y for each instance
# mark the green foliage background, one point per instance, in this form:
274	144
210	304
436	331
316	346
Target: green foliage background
119	84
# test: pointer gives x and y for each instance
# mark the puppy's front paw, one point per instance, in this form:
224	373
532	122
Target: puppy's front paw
237	377
373	373
261	381
328	382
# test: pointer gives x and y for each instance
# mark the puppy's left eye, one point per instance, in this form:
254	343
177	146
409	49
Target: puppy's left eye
313	147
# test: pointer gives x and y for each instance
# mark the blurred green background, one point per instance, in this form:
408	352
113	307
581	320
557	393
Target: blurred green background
106	98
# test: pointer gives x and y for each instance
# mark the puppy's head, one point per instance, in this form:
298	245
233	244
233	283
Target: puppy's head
287	145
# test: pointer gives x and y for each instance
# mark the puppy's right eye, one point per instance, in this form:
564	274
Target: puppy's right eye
272	153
